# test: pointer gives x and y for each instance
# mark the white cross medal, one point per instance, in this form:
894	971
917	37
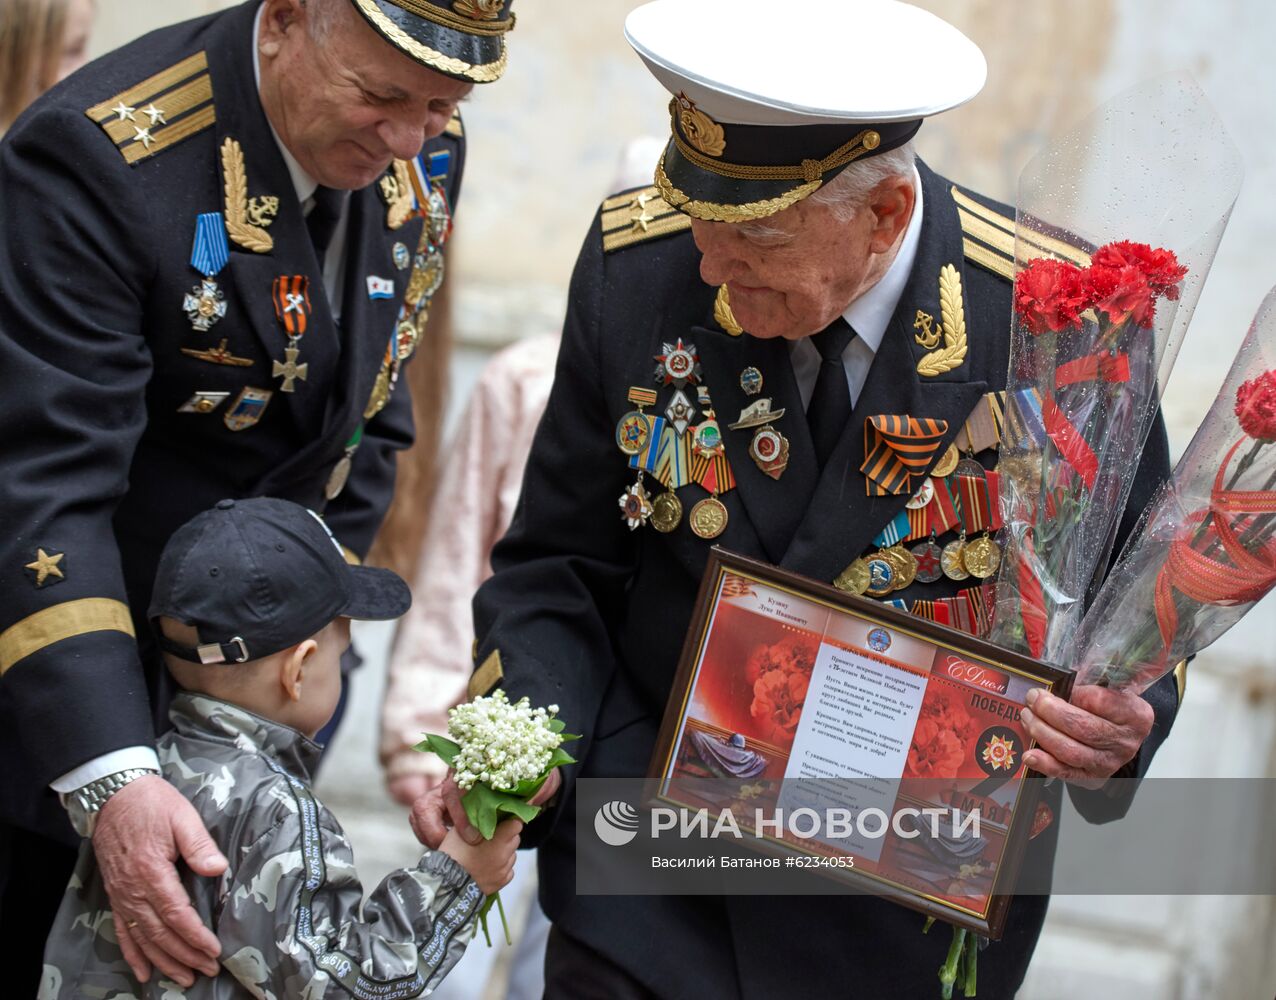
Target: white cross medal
205	304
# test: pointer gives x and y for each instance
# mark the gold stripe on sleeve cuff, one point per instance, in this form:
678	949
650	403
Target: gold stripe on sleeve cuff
486	677
62	621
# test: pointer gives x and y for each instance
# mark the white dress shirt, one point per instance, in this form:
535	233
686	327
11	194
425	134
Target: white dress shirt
869	316
334	265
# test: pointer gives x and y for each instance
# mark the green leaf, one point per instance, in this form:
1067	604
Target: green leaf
558	758
568	737
528	787
439	745
517	807
557	725
483	806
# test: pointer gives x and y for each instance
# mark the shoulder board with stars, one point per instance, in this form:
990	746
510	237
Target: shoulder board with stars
988	238
455	126
159	112
638	216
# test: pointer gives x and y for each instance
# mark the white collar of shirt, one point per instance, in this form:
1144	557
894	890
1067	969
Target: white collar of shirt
869	315
302	182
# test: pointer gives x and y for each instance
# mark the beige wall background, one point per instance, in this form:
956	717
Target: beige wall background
544	145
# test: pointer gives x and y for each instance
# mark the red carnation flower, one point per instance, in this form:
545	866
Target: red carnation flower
1121	292
1256	407
1049	295
1159	266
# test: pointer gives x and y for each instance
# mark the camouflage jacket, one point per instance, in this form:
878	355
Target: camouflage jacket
287	910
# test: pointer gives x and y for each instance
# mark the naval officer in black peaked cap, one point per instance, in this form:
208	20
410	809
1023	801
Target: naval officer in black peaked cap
791	250
219	246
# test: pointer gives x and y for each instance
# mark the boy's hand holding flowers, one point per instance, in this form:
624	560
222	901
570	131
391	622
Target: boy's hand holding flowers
503	758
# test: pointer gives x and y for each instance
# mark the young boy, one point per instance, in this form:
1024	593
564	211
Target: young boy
251	607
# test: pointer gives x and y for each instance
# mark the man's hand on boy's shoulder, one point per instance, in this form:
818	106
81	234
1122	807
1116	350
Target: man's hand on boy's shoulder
140	833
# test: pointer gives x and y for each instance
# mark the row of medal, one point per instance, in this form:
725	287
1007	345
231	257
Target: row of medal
205	305
958	495
677	451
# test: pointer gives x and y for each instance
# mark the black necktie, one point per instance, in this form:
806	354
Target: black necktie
830	406
323	217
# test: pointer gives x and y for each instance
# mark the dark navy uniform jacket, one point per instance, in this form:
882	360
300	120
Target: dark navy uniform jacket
99	465
591	616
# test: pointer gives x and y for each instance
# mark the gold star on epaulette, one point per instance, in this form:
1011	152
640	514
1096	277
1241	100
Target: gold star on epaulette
638	216
46	566
177	103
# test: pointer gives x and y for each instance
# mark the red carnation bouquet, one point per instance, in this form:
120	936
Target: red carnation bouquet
1083	392
1205	552
1098	321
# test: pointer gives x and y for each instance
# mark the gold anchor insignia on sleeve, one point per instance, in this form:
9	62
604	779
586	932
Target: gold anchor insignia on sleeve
953	316
239	224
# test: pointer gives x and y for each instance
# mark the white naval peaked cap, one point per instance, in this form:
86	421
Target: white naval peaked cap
770	103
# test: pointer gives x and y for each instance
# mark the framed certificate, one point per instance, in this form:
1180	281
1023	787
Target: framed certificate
792	692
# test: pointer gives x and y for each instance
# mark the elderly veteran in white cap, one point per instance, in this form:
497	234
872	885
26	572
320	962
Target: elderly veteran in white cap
219	247
792	249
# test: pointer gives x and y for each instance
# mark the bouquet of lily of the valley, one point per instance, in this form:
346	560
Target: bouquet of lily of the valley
501	753
1099	316
1205	552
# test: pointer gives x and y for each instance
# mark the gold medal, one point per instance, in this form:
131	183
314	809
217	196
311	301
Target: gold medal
854	579
633	432
666	512
905	565
981	557
708	518
881	575
945	466
953	564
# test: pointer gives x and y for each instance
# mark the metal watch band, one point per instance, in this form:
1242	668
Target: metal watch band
96	793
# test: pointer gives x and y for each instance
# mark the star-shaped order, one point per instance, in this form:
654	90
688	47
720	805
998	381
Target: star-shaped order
46	566
155	114
125	112
143	136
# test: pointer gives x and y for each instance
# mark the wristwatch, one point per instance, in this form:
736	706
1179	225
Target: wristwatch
83	805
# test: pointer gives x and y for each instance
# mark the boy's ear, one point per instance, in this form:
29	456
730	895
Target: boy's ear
292	669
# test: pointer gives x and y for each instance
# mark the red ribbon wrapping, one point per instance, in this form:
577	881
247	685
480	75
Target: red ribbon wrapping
1108	367
1032	600
1199	575
1069	441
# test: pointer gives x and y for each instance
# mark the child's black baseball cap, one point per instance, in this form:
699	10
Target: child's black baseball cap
257	576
